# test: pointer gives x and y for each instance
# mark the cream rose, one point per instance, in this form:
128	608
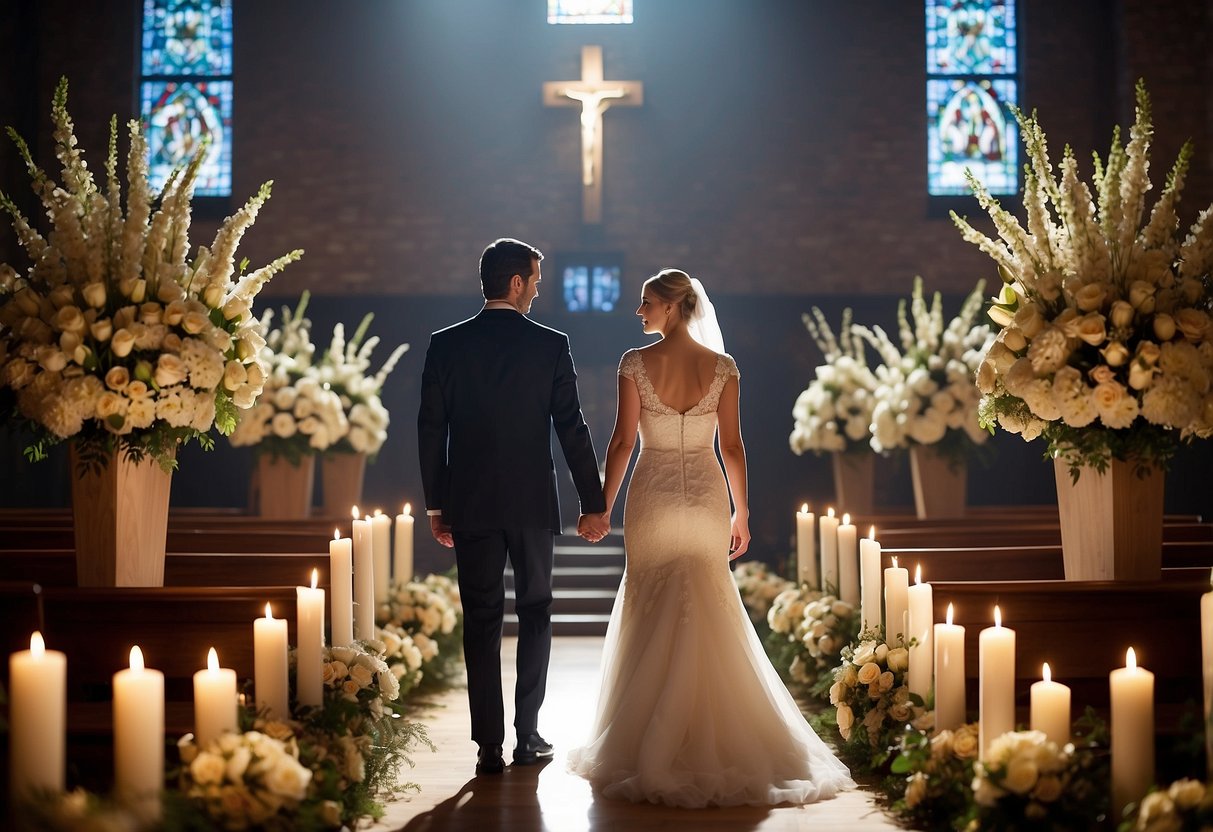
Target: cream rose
195	322
869	673
207	768
94	294
1091	297
1121	314
170	370
288	778
1092	329
122	342
70	319
1029	320
846	719
1141	295
1193	323
965	742
1164	327
1115	353
899	659
1021	775
1048	789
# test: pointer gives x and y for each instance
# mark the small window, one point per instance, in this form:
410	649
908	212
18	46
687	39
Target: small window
589	11
590	283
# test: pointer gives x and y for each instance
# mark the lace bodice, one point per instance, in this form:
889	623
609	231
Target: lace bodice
632	366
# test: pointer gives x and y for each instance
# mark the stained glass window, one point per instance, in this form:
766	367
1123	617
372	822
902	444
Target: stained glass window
972	81
185	97
589	11
591	288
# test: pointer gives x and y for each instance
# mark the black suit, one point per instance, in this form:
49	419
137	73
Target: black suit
493	388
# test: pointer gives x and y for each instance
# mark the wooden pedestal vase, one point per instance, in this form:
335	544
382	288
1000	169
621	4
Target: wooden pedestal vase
854	482
1111	523
120	517
341	482
939	486
283	491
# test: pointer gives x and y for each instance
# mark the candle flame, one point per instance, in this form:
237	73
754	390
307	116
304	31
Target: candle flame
894	561
315	577
1045	673
378	512
804	508
408	509
268	612
846	519
136	658
918	574
872	533
1130	659
355	512
830	511
949	618
997	616
37	645
212	661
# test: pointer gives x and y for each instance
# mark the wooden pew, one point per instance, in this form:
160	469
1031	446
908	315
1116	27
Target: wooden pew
1019	534
219	539
57	567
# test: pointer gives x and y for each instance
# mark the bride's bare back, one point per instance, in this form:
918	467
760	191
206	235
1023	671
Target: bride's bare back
680	373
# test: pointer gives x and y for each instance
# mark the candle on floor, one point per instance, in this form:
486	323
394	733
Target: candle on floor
828	527
1050	708
341	587
869	573
806	548
139	732
996	682
402	564
381	540
922	622
37	718
364	580
1206	649
896	602
309	659
1132	733
214	701
848	562
270	665
949	675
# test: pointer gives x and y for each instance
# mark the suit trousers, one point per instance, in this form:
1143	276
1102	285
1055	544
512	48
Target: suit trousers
481	555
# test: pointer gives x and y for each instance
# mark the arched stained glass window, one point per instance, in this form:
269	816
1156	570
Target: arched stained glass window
589	11
972	81
185	93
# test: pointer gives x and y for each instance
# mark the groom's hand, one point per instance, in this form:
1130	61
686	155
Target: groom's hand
593	527
441	531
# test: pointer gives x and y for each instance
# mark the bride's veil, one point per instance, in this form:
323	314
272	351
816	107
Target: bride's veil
703	326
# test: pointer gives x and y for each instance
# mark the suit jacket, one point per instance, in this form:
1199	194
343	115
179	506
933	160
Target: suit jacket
492	389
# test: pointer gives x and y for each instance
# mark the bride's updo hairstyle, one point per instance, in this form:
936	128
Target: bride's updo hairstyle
674	286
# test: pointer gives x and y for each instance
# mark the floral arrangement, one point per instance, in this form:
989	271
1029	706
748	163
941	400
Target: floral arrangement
759	587
429	614
809	628
936	776
345	369
1184	805
925	393
1106	345
114	338
834	413
298	414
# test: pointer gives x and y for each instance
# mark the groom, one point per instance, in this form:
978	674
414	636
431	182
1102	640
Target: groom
493	388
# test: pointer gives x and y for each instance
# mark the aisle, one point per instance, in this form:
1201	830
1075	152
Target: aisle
534	798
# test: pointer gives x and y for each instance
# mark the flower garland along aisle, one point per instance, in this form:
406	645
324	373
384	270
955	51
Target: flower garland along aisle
422	624
1105	345
834	413
926	399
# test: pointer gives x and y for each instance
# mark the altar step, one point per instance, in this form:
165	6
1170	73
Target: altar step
585	579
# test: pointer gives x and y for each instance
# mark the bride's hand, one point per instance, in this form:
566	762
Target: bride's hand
739	534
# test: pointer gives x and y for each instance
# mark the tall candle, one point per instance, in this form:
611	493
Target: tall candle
869	574
996	682
214	701
309	659
922	624
139	732
806	548
341	587
896	602
1132	732
1050	709
381	540
1206	649
364	580
270	665
37	725
949	675
848	561
402	564
828	528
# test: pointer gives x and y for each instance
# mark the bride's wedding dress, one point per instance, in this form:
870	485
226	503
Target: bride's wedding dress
690	711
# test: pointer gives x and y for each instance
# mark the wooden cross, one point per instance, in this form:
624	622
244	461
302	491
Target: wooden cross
594	96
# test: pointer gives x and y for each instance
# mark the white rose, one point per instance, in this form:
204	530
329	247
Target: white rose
101	330
207	768
195	322
174	312
899	659
94	294
151	314
1021	775
1164	327
237	764
1091	296
845	718
170	370
1115	353
1193	323
70	319
1092	329
244	396
1141	295
283	425
1029	320
122	342
288	778
869	673
234	375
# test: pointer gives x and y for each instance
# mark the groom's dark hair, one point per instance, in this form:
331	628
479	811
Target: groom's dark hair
502	260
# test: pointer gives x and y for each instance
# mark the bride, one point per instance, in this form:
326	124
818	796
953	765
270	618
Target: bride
690	711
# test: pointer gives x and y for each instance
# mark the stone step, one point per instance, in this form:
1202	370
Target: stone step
580	577
567	624
574	600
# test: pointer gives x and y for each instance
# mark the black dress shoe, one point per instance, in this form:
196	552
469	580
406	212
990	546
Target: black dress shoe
531	749
489	760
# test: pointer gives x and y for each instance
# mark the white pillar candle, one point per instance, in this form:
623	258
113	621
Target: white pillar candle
402	563
922	623
896	602
214	701
341	587
139	732
869	580
270	673
37	724
381	540
995	682
1050	708
949	675
848	562
1132	731
364	580
806	548
1206	649
828	528
309	659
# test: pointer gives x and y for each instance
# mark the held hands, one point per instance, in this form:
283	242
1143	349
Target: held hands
441	531
594	527
739	536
